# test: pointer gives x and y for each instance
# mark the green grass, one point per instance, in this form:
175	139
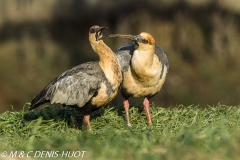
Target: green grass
177	133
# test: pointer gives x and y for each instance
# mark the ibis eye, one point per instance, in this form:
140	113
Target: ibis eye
145	41
92	30
142	40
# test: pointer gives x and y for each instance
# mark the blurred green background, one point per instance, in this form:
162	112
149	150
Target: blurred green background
39	39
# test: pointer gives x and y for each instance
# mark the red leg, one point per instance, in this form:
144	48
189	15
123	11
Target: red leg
146	108
86	121
126	107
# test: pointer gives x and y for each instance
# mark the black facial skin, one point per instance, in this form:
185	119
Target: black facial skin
142	40
98	31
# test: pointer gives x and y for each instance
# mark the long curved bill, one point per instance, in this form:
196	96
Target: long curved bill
126	36
137	38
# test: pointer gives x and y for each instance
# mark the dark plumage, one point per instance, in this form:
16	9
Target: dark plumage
89	85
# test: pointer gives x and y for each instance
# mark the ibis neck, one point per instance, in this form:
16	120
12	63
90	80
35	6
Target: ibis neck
145	64
143	58
106	55
108	62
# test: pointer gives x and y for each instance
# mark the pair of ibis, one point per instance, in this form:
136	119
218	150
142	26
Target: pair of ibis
138	69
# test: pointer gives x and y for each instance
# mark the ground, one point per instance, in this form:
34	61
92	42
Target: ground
181	132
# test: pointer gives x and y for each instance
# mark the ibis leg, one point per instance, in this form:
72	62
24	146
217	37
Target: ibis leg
126	107
146	108
86	121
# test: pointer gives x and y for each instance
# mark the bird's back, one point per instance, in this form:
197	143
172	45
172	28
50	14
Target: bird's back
124	55
161	56
73	87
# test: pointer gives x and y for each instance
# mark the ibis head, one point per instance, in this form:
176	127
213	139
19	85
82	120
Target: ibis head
146	42
95	33
147	38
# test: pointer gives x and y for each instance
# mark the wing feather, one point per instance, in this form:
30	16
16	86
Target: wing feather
73	87
124	55
76	89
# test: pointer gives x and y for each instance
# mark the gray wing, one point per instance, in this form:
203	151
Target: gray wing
161	56
76	89
124	54
73	87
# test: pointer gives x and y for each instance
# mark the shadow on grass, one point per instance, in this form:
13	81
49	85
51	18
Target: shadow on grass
57	113
70	115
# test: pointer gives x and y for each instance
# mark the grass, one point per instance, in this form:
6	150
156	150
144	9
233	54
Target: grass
177	133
